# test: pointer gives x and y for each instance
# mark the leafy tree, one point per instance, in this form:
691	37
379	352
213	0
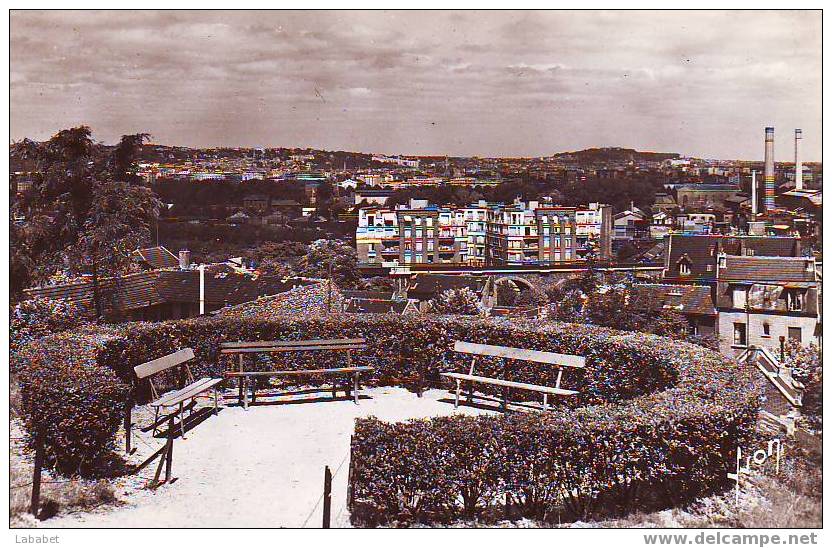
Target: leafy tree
333	259
86	212
278	258
457	301
806	364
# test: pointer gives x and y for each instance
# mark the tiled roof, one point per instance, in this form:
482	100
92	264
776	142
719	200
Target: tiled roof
142	289
687	299
431	285
156	257
701	251
375	306
768	269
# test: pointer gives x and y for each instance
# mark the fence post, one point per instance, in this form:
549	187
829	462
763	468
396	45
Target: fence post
35	505
327	496
350	473
128	423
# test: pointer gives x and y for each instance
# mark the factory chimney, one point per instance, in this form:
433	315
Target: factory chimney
753	194
768	170
798	163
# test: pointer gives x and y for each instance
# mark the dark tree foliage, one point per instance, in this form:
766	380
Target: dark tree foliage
86	211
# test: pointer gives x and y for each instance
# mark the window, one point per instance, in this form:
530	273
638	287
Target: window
739	297
795	300
794	334
766	330
739	334
684	268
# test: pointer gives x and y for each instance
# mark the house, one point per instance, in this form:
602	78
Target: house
630	224
157	295
694	302
257	203
155	257
764	300
691	258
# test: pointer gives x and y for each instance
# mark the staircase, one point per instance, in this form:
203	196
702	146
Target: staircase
792	391
769	366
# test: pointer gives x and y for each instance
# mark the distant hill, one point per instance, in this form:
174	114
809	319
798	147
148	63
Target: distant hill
614	154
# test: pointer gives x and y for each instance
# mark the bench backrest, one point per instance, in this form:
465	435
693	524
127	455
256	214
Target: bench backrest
567	360
288	346
165	362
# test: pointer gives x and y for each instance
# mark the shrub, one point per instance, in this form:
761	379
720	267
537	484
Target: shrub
457	301
35	318
70	400
651	414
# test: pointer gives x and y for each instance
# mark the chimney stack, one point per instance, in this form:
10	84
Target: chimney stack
768	170
184	259
753	194
798	163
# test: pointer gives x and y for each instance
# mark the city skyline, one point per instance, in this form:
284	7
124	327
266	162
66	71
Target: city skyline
701	84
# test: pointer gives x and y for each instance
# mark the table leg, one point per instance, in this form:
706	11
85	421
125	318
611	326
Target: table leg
545	402
355	395
456	399
216	401
240	381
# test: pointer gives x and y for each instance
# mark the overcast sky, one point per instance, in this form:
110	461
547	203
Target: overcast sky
458	83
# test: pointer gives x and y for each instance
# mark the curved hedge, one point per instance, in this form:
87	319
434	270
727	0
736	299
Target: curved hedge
651	411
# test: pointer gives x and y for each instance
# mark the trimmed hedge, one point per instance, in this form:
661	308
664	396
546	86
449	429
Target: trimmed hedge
75	404
652	413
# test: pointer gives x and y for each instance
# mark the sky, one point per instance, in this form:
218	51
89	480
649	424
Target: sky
510	83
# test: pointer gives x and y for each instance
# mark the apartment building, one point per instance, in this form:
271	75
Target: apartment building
481	234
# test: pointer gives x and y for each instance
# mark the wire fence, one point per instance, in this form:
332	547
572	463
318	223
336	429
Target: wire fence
321	498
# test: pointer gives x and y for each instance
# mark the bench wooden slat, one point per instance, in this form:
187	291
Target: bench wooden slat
264	344
297	372
193	389
165	362
539	356
511	384
253	349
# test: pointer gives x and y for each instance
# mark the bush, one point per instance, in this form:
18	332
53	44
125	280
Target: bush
70	399
35	318
651	413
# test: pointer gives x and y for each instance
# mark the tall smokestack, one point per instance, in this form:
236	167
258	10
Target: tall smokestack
768	171
798	163
753	194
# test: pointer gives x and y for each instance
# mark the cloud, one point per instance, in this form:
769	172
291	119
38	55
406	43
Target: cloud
496	83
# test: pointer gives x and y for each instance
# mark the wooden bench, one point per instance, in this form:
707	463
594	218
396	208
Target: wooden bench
338	345
508	353
176	398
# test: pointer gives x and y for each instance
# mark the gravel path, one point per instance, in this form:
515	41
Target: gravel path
258	468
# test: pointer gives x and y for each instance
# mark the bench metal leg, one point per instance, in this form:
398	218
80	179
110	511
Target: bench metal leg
456	399
182	419
155	422
253	390
355	394
245	393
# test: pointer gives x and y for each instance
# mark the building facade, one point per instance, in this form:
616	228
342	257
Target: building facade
764	301
482	234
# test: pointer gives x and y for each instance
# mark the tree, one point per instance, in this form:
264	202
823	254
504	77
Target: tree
806	364
333	259
324	200
457	301
86	212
